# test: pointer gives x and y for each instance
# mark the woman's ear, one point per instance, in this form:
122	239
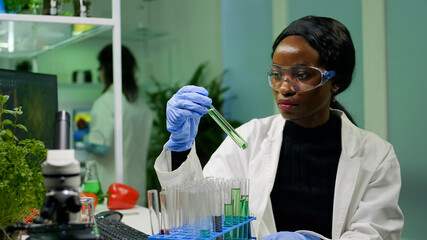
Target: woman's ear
334	88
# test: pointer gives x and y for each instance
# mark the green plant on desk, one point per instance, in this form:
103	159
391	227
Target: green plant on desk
21	179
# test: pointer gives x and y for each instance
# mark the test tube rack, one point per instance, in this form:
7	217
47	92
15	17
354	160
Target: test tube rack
213	235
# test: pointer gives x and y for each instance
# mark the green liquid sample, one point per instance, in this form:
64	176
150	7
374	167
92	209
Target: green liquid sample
244	207
95	188
226	127
228	219
244	215
235	199
228	215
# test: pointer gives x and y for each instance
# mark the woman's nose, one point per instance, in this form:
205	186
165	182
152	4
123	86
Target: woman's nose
286	87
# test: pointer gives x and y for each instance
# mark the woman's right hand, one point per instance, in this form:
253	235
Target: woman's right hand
183	113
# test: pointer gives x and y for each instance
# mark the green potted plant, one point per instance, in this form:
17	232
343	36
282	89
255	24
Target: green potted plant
209	135
21	180
18	6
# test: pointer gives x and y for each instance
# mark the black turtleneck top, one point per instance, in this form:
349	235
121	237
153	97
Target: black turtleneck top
303	192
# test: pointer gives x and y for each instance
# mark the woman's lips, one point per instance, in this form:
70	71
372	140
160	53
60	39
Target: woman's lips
285	104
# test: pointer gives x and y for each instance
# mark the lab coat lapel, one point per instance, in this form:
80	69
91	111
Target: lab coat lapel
270	150
348	170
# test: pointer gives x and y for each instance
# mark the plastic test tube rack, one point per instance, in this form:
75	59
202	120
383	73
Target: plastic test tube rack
212	236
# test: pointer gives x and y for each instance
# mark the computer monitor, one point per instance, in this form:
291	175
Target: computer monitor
37	94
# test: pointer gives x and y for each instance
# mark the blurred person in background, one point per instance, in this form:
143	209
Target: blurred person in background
137	122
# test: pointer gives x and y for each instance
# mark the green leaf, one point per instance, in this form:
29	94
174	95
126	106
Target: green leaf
22	127
12	112
18	110
9	133
3	98
6	122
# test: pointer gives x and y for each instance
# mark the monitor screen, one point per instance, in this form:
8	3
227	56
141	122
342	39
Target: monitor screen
37	94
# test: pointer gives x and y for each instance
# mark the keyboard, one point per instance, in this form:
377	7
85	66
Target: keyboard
112	230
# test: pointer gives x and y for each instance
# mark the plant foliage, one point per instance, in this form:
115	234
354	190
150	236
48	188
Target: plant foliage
21	179
17	6
209	135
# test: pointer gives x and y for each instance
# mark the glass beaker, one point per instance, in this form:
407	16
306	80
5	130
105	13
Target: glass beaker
91	181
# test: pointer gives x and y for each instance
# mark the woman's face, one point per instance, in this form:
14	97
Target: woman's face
310	108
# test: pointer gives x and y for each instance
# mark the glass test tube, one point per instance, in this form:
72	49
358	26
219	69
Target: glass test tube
205	223
220	120
187	217
153	208
244	207
216	206
228	204
164	210
235	199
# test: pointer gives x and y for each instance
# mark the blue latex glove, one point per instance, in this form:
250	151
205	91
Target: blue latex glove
183	113
93	148
290	236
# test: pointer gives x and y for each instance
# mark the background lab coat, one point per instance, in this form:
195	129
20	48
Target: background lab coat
367	185
137	122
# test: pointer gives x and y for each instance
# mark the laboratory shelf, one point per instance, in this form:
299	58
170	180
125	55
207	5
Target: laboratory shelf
56	19
26	36
213	235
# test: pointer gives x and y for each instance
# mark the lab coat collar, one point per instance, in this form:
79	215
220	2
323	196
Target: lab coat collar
350	135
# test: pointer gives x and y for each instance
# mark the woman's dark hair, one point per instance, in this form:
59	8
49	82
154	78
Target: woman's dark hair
129	66
332	40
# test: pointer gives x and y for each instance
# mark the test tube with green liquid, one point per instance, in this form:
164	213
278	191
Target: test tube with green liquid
226	127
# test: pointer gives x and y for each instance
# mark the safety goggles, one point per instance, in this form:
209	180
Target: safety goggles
301	78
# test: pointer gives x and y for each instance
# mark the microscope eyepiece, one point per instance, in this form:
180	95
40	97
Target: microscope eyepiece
62	130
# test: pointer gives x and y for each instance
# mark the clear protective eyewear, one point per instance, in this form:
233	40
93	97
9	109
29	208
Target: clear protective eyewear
301	78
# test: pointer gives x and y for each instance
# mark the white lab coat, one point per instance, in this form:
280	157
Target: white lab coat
367	184
137	122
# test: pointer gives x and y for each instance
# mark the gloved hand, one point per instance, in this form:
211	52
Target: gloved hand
290	236
183	113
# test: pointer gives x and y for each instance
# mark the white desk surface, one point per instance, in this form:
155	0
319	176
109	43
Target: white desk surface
137	217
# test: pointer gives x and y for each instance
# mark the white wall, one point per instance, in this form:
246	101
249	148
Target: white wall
407	114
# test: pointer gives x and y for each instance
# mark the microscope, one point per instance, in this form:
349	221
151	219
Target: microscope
59	217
